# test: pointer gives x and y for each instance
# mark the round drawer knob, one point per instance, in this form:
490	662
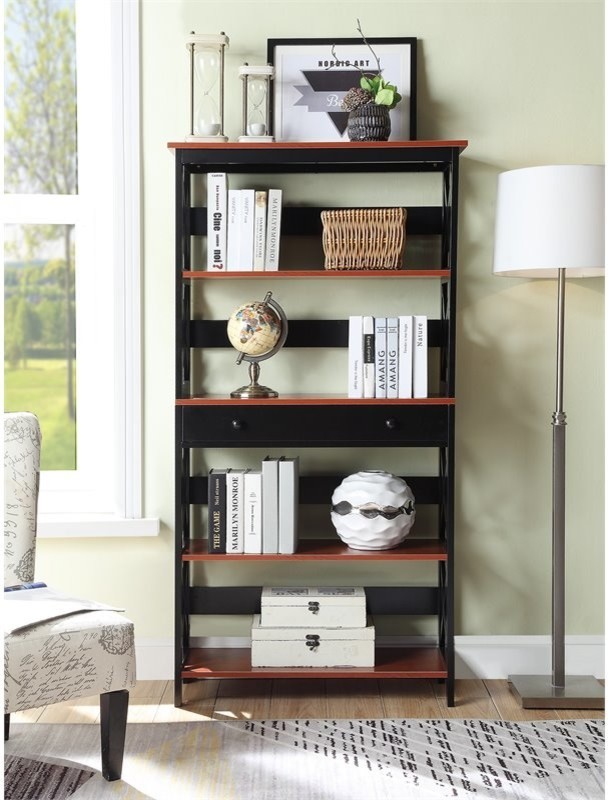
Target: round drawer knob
238	425
391	423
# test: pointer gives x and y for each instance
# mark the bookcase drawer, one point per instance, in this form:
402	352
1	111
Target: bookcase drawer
313	426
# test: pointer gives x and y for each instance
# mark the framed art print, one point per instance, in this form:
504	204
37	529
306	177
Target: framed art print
313	75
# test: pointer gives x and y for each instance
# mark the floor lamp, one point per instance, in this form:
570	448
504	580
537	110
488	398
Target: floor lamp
550	224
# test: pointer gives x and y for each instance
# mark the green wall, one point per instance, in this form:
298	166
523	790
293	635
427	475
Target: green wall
523	82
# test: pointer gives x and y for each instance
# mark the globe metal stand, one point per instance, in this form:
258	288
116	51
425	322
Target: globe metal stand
253	389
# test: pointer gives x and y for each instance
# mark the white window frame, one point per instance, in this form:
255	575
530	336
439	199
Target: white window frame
103	496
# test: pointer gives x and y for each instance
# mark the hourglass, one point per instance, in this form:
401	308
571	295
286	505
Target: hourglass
256	103
206	87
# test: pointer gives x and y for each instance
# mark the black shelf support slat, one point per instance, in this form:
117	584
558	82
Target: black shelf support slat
302	333
406	600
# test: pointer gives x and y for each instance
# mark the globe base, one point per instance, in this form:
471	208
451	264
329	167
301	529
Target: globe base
253	390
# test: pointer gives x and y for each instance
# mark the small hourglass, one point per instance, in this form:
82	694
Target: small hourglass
256	103
206	87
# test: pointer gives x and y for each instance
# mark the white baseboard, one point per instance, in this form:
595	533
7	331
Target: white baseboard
476	656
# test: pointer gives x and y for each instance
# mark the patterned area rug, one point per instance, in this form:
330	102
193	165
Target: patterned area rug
25	779
332	760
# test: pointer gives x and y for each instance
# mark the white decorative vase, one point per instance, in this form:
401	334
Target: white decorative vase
373	510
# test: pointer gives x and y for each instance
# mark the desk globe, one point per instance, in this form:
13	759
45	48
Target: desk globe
257	330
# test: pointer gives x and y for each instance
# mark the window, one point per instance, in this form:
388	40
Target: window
72	323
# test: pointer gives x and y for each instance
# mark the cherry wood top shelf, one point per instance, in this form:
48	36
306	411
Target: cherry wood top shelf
461	144
312	400
391	662
193	275
328	550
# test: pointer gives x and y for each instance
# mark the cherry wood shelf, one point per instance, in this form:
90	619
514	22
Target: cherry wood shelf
391	662
327	550
194	275
418	144
310	400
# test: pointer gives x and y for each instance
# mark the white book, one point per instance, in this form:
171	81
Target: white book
252	485
355	356
392	357
369	358
273	229
233	251
217	201
259	229
406	346
288	504
380	356
420	358
235	533
247	213
270	505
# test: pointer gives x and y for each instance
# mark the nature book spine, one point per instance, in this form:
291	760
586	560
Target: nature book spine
392	357
235	511
406	346
216	221
217	510
380	356
259	229
247	214
273	229
355	356
270	505
420	357
288	504
233	254
369	358
253	512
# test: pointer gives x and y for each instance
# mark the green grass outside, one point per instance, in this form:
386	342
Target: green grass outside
41	388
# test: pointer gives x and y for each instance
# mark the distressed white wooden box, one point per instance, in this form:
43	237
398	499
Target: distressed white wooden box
311	646
330	607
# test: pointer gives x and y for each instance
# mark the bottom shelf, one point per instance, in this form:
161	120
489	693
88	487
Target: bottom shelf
391	662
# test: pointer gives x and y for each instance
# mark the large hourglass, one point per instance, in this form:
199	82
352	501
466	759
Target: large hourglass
256	103
206	87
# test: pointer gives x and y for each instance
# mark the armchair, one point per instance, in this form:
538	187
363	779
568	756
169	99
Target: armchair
68	657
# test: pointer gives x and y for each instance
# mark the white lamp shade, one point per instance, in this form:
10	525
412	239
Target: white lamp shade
550	218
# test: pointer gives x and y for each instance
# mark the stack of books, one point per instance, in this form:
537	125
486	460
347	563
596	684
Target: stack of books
388	357
254	511
243	227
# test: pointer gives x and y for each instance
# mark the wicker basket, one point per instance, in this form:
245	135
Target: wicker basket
363	238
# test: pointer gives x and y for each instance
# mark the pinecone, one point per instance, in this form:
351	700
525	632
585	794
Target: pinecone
355	98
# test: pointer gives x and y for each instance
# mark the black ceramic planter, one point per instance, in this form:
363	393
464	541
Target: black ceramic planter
369	123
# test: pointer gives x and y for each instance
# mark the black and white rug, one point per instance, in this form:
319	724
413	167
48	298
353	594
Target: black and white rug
383	759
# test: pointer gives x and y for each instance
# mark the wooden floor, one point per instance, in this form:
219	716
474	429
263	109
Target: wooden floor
152	701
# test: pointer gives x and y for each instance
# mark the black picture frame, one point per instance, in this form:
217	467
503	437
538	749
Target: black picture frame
308	83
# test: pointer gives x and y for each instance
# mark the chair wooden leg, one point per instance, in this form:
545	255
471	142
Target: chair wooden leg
113	707
7	726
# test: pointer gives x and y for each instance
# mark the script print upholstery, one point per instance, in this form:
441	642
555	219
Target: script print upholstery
86	653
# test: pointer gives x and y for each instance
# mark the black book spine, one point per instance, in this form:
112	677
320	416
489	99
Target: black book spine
217	511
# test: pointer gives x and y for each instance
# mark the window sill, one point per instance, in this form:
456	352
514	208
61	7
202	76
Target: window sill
57	526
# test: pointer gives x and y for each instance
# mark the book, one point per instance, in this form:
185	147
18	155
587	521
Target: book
270	505
406	346
246	228
369	358
233	235
355	356
420	358
259	229
288	504
217	511
216	221
392	357
273	229
252	491
380	356
235	510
